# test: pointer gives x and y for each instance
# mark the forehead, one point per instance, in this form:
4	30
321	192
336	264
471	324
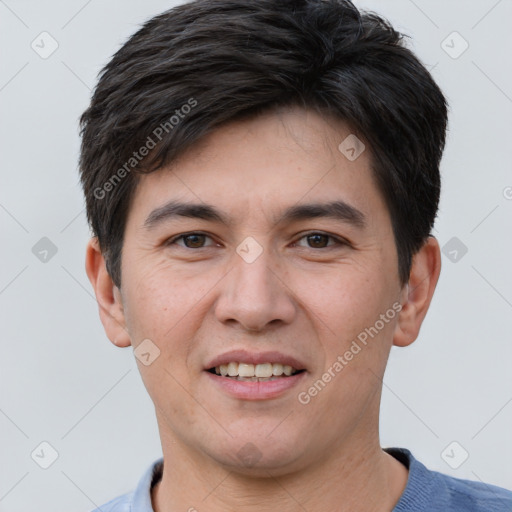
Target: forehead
266	163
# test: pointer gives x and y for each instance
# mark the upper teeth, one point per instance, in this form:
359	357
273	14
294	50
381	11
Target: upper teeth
254	370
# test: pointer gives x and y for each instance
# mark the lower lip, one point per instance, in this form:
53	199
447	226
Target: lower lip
248	390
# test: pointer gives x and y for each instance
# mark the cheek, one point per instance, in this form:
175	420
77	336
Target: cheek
167	307
347	309
159	296
343	302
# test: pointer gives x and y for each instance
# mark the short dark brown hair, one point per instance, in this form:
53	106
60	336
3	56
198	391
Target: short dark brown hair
209	62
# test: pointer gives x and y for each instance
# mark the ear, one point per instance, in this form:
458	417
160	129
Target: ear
417	293
108	295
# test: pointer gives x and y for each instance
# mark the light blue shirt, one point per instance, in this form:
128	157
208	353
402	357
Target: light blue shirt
426	491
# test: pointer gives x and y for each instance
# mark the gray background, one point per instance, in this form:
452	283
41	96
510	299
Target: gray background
63	382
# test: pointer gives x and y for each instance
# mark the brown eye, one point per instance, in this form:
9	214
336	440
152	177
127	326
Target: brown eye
190	241
193	241
318	241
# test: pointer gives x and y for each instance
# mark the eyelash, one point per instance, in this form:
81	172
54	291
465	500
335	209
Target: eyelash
339	242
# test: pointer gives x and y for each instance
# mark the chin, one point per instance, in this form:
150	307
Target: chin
260	458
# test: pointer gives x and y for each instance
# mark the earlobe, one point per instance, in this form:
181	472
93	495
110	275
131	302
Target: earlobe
417	293
107	294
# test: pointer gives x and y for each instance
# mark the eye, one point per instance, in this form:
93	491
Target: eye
194	240
320	240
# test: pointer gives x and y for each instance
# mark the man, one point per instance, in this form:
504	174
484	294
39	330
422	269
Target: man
262	179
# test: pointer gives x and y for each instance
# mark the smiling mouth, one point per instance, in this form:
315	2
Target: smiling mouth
254	372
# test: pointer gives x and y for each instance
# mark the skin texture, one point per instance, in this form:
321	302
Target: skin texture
308	298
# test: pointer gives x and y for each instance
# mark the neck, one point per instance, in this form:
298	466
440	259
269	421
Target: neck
356	477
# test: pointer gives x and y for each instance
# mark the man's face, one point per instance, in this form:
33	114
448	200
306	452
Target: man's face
263	288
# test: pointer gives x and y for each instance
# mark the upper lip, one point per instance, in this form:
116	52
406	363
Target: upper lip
245	356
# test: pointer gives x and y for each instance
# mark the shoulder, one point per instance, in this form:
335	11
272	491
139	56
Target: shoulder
138	500
474	496
119	504
433	491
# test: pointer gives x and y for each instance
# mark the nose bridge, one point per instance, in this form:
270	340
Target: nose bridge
253	268
253	293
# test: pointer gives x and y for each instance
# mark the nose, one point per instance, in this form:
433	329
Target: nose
254	294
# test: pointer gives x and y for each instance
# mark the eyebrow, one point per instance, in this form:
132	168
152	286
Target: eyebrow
337	210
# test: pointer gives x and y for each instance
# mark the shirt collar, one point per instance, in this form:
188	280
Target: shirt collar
141	501
418	492
414	497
